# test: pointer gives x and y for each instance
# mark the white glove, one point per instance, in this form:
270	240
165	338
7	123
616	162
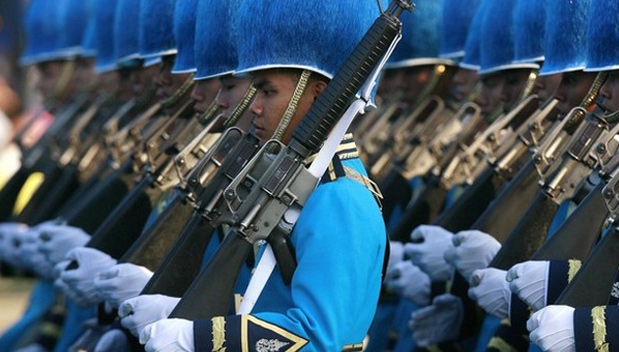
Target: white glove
491	291
113	340
138	312
429	255
80	281
35	347
471	250
8	231
410	282
396	253
439	322
121	282
552	329
529	281
168	335
31	258
58	240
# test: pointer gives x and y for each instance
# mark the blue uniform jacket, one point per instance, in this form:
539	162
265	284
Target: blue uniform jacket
340	242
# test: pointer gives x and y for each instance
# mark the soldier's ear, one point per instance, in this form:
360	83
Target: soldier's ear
317	87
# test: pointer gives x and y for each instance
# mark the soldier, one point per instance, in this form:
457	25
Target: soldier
305	314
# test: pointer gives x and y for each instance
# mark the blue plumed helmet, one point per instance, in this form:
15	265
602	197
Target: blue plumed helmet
157	28
89	42
472	50
74	17
315	35
497	38
456	20
105	14
42	32
529	23
420	36
215	41
127	30
603	36
184	34
566	36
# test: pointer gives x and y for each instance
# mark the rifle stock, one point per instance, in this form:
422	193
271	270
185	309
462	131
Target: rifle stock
122	227
591	286
182	264
504	212
472	203
579	232
528	235
213	297
153	244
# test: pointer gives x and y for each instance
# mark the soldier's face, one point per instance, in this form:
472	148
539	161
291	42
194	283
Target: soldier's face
203	94
49	72
274	90
463	83
515	81
412	80
168	83
572	90
610	93
547	85
491	90
142	78
232	91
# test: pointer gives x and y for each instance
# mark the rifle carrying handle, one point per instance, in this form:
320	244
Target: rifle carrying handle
333	102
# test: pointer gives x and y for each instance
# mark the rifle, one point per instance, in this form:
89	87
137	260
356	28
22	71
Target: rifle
465	168
592	285
565	182
37	158
547	143
280	179
213	169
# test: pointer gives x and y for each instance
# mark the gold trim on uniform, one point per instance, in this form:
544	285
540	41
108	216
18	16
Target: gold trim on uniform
353	347
219	334
598	316
574	265
501	345
298	341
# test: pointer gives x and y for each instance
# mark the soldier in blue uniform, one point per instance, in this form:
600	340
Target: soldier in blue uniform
331	300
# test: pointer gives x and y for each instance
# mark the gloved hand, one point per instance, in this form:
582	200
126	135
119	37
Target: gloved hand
31	258
57	240
121	282
138	312
80	281
410	282
113	340
396	253
429	255
529	281
439	322
8	232
552	329
491	291
168	335
471	250
35	347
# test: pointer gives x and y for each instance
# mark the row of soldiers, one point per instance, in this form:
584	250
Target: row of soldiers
182	146
495	149
168	203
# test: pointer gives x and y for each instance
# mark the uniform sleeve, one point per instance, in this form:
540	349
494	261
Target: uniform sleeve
340	241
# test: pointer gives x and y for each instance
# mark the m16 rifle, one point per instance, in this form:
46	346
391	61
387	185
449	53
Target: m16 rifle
567	177
465	167
547	138
276	179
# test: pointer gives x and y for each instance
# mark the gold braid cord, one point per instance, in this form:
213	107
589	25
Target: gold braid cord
292	105
210	112
241	107
182	92
589	99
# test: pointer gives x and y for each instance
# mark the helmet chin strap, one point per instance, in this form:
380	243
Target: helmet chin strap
241	107
292	105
